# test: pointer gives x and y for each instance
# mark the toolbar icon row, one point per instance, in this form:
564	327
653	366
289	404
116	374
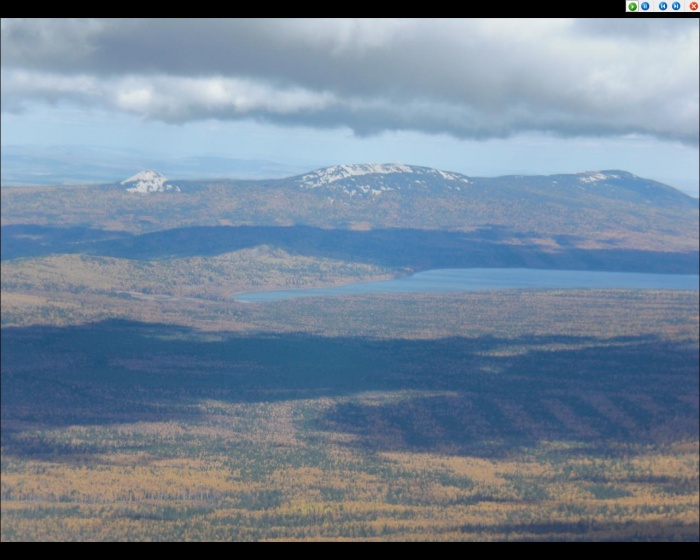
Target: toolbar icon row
661	6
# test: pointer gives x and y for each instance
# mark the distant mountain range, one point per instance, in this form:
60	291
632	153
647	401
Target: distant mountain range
388	214
89	165
373	180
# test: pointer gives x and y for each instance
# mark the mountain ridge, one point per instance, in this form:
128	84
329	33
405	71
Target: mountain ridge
376	179
596	210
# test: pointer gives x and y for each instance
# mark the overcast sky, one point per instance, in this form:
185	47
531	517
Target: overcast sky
482	97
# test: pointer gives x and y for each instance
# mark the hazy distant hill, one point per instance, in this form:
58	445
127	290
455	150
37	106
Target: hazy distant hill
88	165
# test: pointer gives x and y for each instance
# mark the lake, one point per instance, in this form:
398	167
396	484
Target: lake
474	279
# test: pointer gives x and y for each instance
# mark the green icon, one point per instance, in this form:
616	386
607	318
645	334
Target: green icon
633	6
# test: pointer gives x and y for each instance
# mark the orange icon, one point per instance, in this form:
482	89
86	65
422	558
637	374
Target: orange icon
693	6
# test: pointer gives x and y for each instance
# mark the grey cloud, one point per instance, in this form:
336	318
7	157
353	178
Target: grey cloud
468	78
635	29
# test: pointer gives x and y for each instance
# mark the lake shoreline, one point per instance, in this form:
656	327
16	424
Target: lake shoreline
481	279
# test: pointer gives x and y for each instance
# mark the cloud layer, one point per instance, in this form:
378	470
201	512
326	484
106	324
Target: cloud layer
468	78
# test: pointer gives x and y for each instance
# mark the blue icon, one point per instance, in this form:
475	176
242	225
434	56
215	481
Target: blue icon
676	6
663	6
645	6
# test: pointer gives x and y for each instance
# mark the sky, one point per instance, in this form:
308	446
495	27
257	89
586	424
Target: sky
478	96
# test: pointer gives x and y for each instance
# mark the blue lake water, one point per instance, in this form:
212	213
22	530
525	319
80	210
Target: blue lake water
474	279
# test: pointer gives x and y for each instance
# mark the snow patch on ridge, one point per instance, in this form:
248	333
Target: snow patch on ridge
329	176
595	176
324	177
147	182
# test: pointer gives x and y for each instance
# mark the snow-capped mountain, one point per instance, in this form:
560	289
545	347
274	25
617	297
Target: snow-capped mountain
374	178
424	186
148	182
